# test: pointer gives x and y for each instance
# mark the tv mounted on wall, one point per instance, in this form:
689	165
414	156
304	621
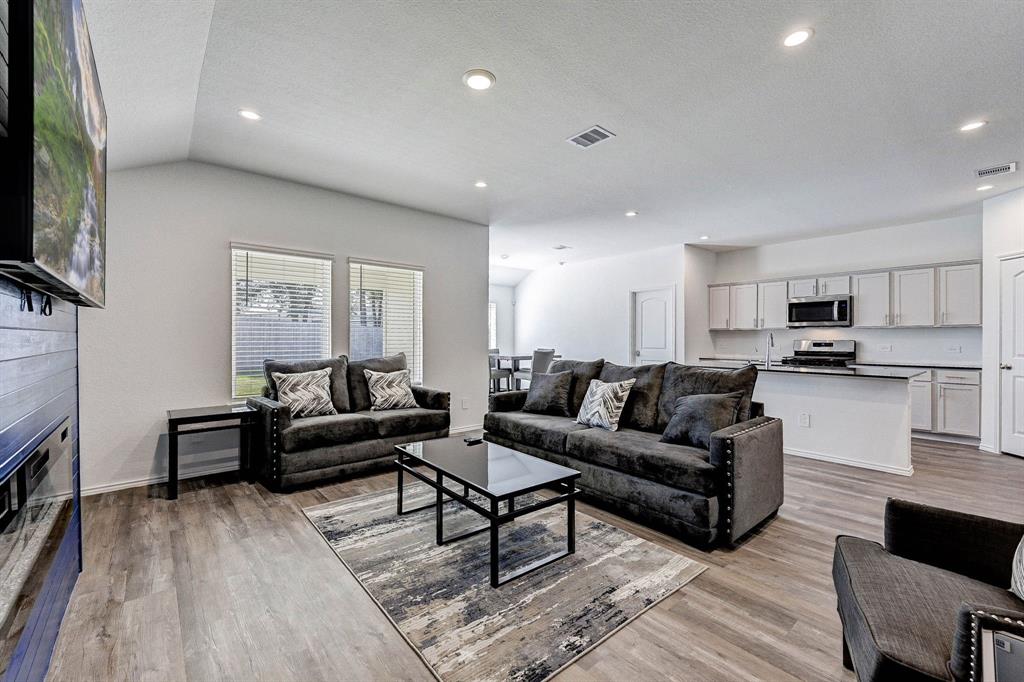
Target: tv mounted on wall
53	181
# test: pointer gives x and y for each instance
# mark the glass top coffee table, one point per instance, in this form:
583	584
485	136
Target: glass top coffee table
497	473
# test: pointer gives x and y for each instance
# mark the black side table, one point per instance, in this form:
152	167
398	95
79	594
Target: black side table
245	416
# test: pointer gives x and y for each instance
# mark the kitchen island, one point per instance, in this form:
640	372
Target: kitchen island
856	416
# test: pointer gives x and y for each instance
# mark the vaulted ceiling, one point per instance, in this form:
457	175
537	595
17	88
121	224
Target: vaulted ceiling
720	130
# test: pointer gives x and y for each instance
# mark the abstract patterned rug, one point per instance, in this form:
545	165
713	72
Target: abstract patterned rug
440	598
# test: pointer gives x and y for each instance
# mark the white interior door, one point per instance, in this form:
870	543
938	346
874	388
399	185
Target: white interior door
654	326
1011	357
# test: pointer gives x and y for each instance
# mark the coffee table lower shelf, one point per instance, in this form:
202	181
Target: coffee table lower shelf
566	489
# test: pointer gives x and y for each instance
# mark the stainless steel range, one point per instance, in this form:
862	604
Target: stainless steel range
812	353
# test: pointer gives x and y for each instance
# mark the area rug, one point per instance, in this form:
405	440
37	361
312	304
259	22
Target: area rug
440	598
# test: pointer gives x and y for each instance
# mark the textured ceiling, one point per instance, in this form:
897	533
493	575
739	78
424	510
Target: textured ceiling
719	129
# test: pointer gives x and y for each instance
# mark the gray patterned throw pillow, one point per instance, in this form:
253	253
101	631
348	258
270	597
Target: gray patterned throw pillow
603	404
307	394
389	390
1017	572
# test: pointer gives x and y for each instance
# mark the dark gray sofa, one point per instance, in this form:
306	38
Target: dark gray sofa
913	609
287	452
703	496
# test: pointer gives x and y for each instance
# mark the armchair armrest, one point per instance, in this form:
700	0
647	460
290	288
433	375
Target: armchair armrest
272	417
749	455
506	401
975	546
431	398
967	649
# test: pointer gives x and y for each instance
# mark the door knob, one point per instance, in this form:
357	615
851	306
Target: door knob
1005	365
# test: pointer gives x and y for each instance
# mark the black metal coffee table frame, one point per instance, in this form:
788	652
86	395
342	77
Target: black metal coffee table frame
566	488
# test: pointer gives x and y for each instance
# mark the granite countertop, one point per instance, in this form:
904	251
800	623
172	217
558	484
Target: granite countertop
923	365
859	372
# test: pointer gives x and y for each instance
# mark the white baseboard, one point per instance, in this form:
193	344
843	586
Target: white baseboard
988	447
809	454
946	438
162	478
466	429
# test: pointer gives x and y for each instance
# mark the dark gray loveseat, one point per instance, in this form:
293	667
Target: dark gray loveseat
703	496
287	452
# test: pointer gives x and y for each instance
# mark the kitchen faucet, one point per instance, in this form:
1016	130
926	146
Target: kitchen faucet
768	350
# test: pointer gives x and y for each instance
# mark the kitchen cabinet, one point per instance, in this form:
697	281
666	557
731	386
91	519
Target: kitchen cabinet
772	305
803	287
960	294
871	300
743	312
718	307
913	298
958	409
921	403
828	286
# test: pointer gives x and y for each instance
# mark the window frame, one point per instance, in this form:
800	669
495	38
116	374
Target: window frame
416	365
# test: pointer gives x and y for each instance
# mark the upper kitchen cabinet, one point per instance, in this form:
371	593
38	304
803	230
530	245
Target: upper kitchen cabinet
829	286
718	307
871	300
743	313
799	288
913	298
772	305
960	294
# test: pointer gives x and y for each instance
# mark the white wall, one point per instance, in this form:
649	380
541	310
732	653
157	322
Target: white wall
504	297
1003	234
164	339
932	241
582	310
699	271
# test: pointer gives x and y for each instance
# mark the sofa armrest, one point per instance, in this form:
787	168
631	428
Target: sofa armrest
749	455
975	546
431	398
506	401
967	649
272	417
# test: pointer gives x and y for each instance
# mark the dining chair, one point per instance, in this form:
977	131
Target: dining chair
540	364
498	373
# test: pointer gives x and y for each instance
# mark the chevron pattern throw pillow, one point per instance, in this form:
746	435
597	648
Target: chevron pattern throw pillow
307	394
603	404
389	390
1017	571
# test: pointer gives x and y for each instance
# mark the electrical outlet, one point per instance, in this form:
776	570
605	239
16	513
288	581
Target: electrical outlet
805	420
465	403
885	347
954	348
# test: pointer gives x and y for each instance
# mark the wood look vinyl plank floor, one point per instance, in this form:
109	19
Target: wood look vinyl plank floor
231	582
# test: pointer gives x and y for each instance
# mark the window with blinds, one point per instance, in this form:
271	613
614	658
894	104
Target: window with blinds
386	313
492	325
280	309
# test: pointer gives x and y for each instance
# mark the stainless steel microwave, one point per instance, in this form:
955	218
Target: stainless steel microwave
821	311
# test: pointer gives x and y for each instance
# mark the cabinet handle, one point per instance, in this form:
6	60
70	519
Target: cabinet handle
755	323
885	319
762	323
824	288
727	323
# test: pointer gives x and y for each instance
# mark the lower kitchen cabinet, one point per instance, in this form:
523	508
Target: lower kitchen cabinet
921	402
958	410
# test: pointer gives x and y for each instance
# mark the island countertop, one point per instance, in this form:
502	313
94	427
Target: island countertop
862	371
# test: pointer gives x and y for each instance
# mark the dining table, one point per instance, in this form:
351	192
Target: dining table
513	362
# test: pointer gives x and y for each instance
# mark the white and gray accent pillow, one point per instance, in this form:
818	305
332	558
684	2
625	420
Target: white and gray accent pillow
603	404
307	394
389	390
1017	571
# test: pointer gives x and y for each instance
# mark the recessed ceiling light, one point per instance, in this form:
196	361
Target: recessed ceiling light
561	262
249	114
478	79
973	125
480	184
704	237
631	214
985	187
504	256
798	37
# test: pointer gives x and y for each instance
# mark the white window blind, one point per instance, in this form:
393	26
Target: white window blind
386	313
280	309
492	325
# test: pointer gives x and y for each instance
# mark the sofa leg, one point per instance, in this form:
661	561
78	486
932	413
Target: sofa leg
847	661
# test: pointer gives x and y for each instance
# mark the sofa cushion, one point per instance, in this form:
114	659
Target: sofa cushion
334	429
389	390
641	411
604	404
683	380
549	393
582	373
543	431
641	454
339	379
408	421
698	416
358	390
900	615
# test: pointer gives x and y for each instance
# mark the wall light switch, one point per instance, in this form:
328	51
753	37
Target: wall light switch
885	347
465	403
805	420
954	348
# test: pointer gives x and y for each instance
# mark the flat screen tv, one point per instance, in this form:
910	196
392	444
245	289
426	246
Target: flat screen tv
54	185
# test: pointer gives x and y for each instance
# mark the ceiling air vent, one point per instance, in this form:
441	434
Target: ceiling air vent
561	247
1001	169
588	138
